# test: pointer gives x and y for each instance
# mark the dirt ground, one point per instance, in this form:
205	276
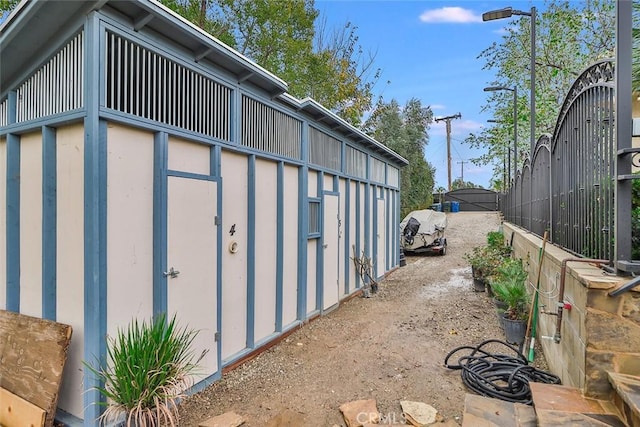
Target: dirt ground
389	347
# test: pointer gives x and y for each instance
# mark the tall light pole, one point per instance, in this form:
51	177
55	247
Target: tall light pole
515	122
448	121
506	159
506	13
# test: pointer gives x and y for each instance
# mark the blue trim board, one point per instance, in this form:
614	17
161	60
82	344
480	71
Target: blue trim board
251	252
303	222
374	236
394	230
160	218
367	219
303	231
279	246
216	166
95	224
319	245
347	235
190	175
67	420
95	254
358	237
219	267
49	223
54	120
13	223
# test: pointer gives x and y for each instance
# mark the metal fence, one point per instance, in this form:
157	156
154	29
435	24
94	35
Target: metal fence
568	186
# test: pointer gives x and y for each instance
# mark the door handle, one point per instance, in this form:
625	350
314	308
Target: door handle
171	273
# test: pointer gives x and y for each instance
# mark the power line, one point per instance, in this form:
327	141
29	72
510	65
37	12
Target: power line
447	120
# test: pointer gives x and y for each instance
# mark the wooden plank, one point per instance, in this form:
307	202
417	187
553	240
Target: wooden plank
480	411
32	356
17	412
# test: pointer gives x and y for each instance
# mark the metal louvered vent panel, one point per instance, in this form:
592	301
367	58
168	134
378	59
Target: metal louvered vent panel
54	88
266	129
324	150
145	84
377	170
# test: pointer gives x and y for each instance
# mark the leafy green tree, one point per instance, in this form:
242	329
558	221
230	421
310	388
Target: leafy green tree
404	130
569	37
6	6
289	39
458	184
204	15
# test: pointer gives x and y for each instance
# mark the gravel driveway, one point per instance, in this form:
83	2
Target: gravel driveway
389	347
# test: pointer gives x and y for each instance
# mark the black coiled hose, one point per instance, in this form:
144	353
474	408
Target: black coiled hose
501	376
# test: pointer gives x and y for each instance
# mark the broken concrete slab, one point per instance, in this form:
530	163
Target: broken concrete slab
228	419
286	418
419	414
359	412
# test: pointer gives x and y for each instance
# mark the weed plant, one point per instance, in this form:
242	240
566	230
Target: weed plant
150	366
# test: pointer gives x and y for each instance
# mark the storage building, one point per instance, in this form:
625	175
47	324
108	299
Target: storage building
145	167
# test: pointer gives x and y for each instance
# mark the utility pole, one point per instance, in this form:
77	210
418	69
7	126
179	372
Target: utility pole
462	170
448	121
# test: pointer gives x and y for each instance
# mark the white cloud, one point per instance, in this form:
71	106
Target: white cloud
451	15
437	107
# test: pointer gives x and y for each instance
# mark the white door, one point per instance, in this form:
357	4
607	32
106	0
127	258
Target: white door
331	248
381	239
191	253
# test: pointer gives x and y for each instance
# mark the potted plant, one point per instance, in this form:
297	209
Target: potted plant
484	261
476	258
509	286
150	366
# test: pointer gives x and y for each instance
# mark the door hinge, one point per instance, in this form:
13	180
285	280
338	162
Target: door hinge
216	336
216	220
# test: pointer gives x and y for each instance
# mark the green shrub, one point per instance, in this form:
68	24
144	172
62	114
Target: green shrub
149	368
495	239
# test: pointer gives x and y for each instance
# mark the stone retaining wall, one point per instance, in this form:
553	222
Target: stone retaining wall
599	334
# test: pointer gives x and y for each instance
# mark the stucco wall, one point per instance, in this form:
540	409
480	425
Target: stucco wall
599	334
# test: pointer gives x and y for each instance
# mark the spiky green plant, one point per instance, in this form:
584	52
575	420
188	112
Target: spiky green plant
150	365
509	286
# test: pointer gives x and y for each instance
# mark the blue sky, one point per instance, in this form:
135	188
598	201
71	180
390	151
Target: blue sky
428	50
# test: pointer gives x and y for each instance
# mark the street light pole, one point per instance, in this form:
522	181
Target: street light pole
506	13
515	122
533	82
